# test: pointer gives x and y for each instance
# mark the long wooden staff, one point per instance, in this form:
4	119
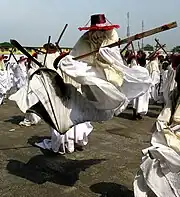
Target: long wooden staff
132	45
161	46
39	51
57	43
14	56
49	39
18	46
135	37
10	54
123	49
139	45
155	52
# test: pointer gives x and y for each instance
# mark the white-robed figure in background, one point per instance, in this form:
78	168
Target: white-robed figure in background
99	34
8	77
163	78
140	105
154	71
3	79
169	82
159	174
52	54
22	72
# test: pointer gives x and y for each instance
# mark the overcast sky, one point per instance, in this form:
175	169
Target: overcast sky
32	21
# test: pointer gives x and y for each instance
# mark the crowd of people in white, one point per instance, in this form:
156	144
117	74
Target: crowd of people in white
103	85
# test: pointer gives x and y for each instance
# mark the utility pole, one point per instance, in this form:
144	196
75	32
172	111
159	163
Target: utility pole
128	27
142	44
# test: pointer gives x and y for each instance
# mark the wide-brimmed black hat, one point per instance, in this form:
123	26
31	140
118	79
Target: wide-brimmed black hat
99	22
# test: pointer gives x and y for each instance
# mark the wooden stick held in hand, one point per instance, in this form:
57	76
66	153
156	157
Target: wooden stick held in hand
161	46
135	37
57	43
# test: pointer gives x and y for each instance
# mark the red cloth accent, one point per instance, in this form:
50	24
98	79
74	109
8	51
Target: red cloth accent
63	54
22	59
95	27
34	55
137	37
154	55
175	59
1	57
133	56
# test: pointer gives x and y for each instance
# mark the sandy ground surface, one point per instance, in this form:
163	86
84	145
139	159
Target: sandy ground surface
107	165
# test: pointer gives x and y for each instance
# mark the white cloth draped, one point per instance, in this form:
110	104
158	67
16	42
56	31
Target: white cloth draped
23	101
49	59
160	169
154	72
79	133
140	103
135	83
66	143
106	85
169	83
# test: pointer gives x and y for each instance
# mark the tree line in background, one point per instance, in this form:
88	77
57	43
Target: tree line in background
149	47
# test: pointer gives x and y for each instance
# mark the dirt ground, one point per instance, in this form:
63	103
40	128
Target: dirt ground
106	167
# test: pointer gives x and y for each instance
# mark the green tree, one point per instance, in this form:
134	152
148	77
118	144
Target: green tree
149	47
176	49
5	44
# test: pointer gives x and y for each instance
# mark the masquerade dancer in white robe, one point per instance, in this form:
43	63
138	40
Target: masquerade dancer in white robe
159	174
77	136
88	90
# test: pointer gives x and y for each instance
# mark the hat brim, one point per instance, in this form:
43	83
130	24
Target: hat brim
99	27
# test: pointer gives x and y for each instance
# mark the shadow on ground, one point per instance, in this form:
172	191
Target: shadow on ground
152	115
36	139
59	170
125	115
107	189
15	119
155	108
128	116
119	132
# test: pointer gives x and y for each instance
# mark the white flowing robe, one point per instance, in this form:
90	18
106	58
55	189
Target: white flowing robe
159	174
154	72
79	133
135	83
20	76
169	83
106	85
141	103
